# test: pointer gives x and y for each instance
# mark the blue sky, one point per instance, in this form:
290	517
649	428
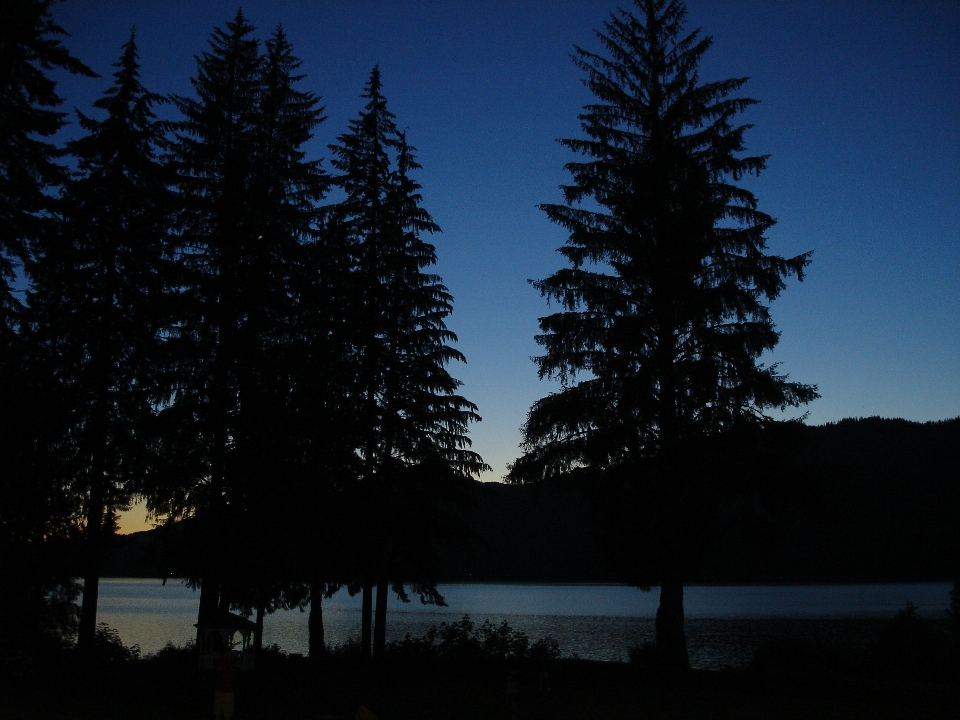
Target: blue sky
859	113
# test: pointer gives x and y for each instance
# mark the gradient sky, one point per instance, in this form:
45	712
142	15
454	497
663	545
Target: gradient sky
860	114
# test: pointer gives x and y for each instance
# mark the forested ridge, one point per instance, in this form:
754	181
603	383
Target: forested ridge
867	500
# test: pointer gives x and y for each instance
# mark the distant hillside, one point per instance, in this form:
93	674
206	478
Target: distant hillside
860	500
531	534
522	534
882	499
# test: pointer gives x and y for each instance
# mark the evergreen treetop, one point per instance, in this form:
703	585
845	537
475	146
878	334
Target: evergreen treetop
29	49
399	310
664	313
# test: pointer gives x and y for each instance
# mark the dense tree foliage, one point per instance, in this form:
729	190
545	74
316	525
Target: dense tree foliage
247	197
97	276
663	314
413	440
29	49
33	510
204	333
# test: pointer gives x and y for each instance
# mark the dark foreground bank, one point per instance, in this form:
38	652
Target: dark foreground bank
792	681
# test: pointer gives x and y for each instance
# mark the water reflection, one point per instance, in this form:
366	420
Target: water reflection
724	626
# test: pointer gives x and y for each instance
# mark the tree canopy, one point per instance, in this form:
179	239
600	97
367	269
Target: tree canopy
35	514
413	440
663	311
98	273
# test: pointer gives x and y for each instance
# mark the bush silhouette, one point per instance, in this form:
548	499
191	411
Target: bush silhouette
465	641
108	648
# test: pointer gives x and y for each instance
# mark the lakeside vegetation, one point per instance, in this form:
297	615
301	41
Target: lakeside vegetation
463	669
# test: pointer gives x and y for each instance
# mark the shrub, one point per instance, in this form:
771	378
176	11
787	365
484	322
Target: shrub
543	650
463	640
348	650
644	654
170	652
60	614
109	649
911	642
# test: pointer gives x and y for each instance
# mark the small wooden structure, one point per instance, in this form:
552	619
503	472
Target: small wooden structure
218	637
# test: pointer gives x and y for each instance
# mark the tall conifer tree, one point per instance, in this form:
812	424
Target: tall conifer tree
32	510
97	277
284	494
662	316
249	195
213	157
29	48
411	414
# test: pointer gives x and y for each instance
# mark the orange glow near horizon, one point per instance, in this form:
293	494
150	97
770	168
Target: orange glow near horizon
133	520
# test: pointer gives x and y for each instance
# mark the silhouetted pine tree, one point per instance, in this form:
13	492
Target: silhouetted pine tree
663	315
285	496
216	243
32	511
29	48
363	158
97	277
410	413
248	195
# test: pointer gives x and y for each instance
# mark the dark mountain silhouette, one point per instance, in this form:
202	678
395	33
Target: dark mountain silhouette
865	500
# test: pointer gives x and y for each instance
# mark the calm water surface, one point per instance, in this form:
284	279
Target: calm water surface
598	622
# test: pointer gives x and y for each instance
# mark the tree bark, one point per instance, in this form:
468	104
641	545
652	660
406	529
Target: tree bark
258	633
380	624
316	640
671	638
366	612
86	633
224	606
21	600
209	604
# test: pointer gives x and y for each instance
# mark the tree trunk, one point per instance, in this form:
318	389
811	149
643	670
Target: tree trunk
316	640
366	612
258	633
213	520
671	638
380	624
21	601
209	604
224	606
86	633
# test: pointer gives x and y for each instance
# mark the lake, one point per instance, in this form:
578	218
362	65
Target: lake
596	622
